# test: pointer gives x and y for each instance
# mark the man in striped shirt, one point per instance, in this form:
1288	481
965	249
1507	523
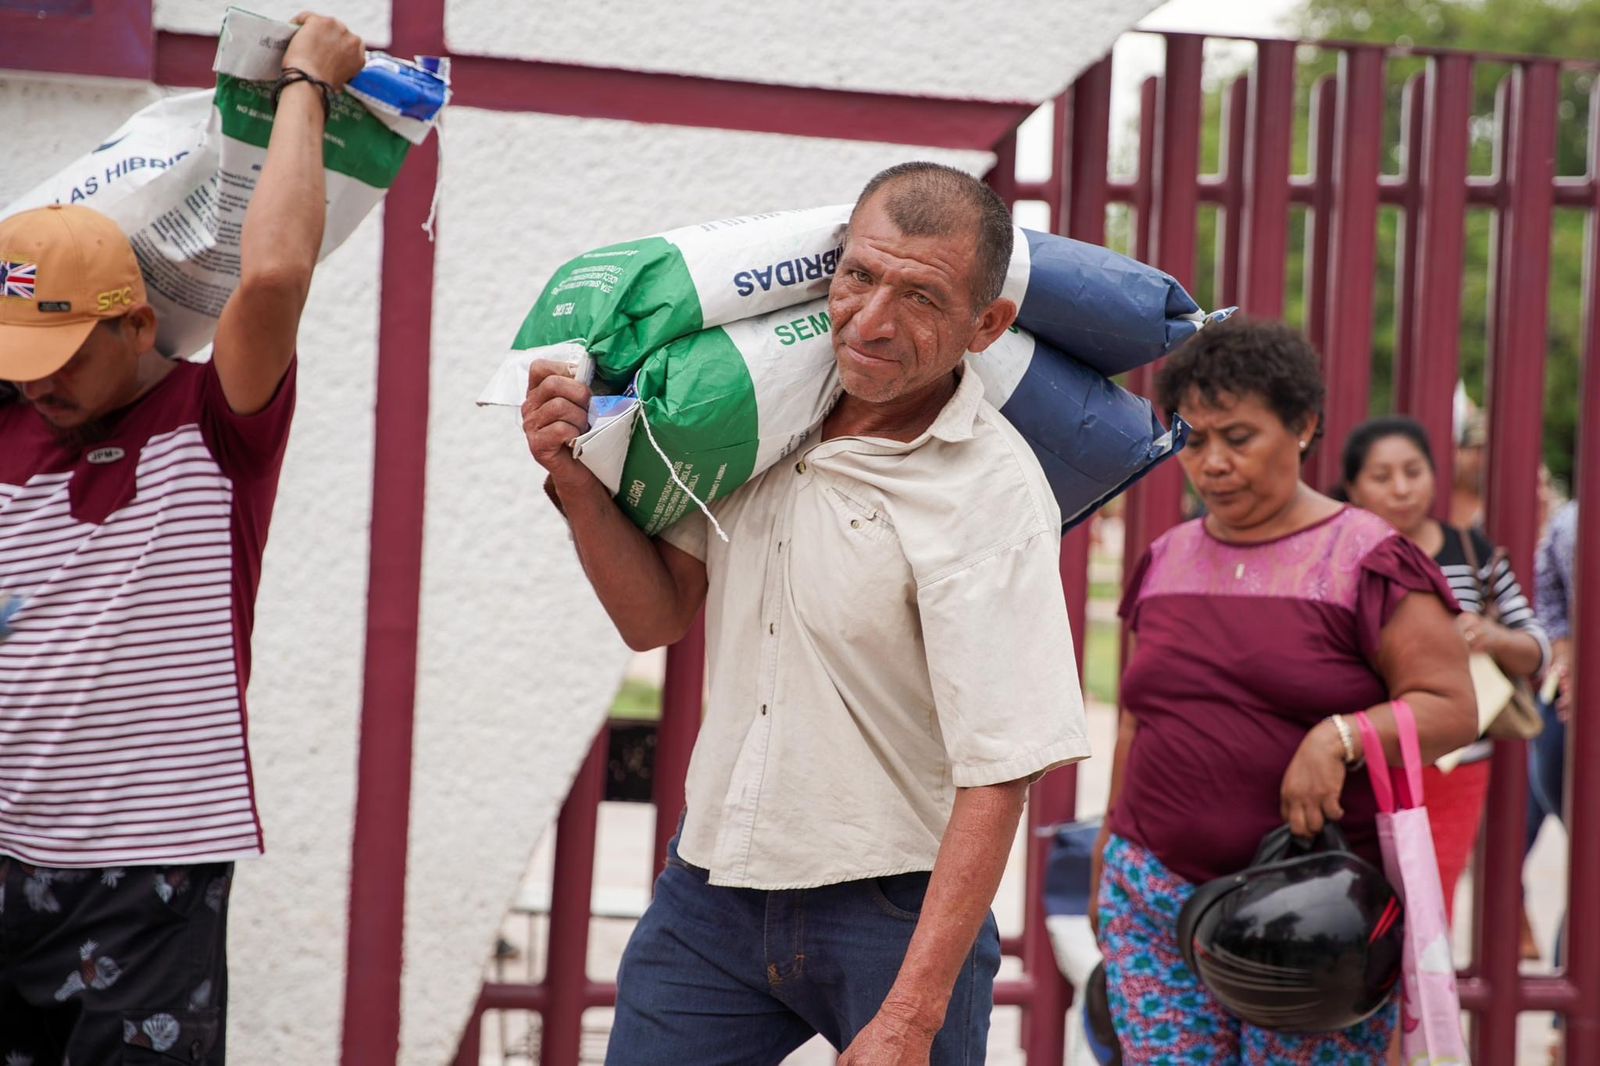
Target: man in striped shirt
135	495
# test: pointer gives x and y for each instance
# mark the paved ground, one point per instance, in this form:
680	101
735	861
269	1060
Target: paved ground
622	885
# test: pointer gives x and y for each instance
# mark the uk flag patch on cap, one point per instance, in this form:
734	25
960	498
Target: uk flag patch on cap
17	279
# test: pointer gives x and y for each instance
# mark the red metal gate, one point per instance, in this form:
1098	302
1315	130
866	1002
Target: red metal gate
1343	193
1255	190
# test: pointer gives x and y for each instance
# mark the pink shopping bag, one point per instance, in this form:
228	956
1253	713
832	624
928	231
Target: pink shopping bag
1430	1011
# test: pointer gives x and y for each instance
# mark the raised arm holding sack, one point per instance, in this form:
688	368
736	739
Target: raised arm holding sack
179	177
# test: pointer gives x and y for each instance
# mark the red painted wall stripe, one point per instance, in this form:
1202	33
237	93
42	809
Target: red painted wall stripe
525	85
113	40
643	96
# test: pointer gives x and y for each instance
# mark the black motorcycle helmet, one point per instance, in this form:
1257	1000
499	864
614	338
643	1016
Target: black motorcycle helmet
1099	1032
1306	940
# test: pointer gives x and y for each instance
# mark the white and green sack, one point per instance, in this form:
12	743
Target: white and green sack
710	355
178	176
710	411
624	301
724	404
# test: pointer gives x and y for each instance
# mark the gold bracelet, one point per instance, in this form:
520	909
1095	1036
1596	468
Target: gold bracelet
1345	739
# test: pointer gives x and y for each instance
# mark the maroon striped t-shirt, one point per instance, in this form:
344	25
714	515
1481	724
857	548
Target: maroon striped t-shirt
1240	649
136	559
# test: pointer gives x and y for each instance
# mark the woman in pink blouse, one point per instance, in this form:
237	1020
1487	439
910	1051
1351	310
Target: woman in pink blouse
1257	631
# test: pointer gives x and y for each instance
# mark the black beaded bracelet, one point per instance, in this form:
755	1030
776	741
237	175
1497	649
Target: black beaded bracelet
291	75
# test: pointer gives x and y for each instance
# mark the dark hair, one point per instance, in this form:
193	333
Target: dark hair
1362	439
1242	357
932	200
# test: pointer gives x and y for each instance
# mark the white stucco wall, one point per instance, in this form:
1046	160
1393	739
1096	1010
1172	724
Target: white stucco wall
1013	51
368	18
517	664
288	922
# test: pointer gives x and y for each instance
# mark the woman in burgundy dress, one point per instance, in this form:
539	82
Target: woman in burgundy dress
1388	469
1256	632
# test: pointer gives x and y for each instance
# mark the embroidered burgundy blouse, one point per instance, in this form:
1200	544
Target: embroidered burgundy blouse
1239	651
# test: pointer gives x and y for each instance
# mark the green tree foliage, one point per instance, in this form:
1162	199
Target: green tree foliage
1502	27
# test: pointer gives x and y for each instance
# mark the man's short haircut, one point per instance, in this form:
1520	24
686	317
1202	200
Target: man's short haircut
932	200
1247	357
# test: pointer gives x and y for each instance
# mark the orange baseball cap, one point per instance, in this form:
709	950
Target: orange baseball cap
62	269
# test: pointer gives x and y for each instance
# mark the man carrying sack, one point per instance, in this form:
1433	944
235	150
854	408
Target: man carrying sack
890	665
135	496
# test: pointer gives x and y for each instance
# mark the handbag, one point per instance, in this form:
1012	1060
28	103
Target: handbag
1430	1009
1500	717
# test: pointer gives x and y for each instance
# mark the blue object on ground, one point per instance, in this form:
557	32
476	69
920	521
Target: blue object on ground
1066	873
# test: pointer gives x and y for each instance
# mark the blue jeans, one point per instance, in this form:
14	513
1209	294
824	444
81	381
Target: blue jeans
1547	772
742	977
1547	765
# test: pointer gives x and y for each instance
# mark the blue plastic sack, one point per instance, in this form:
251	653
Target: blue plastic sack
1067	870
1105	310
1092	437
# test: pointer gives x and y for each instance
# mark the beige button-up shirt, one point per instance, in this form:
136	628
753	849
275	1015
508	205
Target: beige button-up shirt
884	625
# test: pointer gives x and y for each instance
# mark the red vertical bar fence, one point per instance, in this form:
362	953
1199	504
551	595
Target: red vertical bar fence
1003	176
1347	348
1230	226
1413	106
1266	180
1156	503
567	961
1426	376
1583	734
1324	112
1144	199
1516	426
681	703
1085	198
